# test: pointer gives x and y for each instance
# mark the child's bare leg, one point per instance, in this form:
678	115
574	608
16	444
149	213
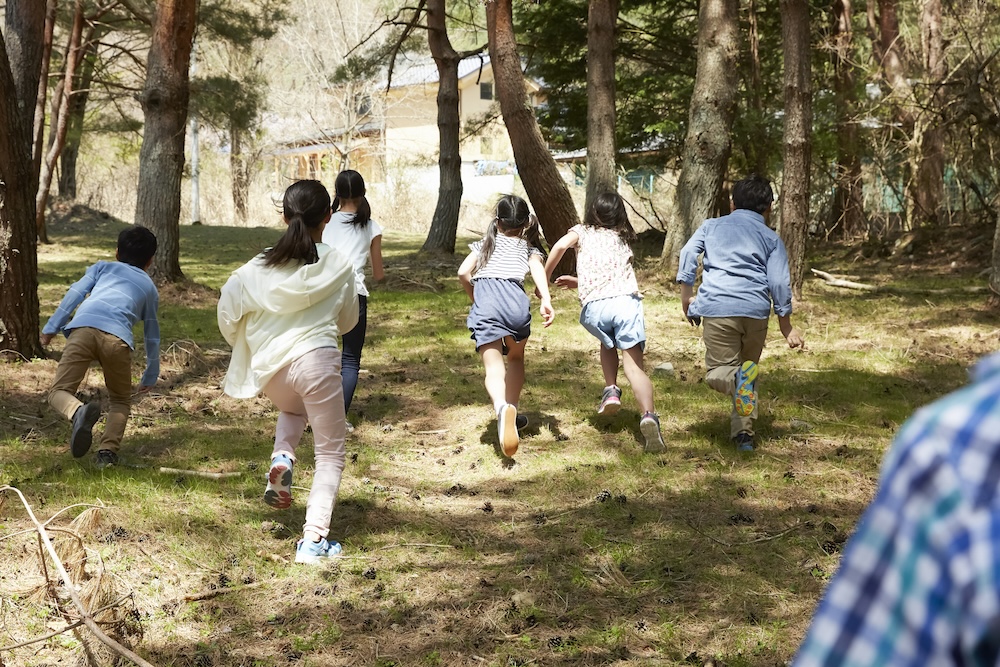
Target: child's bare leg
636	374
609	365
496	372
515	370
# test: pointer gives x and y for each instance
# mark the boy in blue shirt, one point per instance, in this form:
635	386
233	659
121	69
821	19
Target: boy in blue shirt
745	271
109	299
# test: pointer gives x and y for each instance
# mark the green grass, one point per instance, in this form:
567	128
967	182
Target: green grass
581	551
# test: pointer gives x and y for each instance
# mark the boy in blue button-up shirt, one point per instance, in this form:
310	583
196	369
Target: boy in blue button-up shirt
745	272
109	299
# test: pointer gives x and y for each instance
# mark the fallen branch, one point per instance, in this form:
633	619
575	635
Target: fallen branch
200	473
86	617
833	281
206	595
766	538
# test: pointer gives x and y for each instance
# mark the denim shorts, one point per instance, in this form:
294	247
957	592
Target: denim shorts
617	321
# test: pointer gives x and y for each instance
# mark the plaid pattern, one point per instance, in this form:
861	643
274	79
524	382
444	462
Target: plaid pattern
919	582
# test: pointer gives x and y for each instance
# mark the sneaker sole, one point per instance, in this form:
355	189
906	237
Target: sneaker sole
81	439
278	493
746	397
508	430
609	408
654	439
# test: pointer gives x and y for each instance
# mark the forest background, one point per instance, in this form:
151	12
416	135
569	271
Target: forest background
878	123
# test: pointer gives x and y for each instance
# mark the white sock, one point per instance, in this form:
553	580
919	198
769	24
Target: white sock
499	406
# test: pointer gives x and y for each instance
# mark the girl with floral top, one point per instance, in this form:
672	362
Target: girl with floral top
500	317
612	305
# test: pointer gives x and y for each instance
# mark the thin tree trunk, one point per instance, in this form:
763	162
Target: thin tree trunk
542	181
756	147
601	164
798	123
77	113
20	69
43	85
928	146
164	102
238	165
708	142
60	122
847	217
444	224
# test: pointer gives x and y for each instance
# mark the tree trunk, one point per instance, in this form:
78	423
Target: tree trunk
77	112
542	181
848	216
164	102
994	300
601	166
756	147
798	125
444	224
927	157
20	68
59	122
240	168
38	131
710	124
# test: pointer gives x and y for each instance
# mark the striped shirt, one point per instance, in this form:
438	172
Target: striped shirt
919	582
111	297
509	259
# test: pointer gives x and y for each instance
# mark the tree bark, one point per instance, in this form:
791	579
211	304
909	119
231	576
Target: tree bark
20	68
928	150
847	218
77	112
546	189
164	102
798	124
38	131
601	156
444	224
708	142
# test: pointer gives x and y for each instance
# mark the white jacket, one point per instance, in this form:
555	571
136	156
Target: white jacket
272	315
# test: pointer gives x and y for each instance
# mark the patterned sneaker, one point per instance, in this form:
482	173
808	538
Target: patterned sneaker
746	396
82	435
311	553
611	401
649	426
105	458
743	442
278	493
507	429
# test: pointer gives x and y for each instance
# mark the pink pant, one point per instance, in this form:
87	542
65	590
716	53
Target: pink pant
310	390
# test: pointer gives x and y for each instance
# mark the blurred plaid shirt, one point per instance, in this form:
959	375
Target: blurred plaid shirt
919	581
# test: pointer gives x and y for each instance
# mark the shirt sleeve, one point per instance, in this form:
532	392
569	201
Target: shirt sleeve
230	309
779	280
77	292
151	340
687	266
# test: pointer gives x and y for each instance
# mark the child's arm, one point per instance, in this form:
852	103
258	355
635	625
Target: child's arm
540	277
465	274
569	240
151	342
75	295
378	273
687	296
790	333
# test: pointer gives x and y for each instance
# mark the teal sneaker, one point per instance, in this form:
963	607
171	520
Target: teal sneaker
311	553
278	493
746	394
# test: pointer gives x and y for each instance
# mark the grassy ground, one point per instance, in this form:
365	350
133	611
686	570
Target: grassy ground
580	551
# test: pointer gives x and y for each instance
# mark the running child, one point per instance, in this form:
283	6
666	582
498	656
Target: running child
108	300
359	238
500	317
611	305
283	313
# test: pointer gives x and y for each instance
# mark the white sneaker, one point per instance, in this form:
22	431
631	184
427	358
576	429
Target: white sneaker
507	429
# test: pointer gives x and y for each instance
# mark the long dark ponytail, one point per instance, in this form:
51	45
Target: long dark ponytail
350	185
511	213
305	207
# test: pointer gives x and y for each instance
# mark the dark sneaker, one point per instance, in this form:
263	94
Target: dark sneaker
311	553
105	458
278	493
507	429
743	442
611	401
521	422
82	435
746	395
649	426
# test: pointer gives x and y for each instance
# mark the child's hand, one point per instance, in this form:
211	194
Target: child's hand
569	282
144	389
795	339
45	339
548	313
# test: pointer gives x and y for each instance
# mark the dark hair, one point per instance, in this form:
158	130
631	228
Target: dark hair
608	211
305	206
753	193
350	185
511	213
136	246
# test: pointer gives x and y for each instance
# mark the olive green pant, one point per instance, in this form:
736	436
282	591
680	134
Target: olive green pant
83	347
729	341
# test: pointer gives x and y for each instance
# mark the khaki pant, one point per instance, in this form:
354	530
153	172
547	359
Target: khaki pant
84	346
729	341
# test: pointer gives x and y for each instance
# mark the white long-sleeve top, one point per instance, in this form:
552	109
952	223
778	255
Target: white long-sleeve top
272	315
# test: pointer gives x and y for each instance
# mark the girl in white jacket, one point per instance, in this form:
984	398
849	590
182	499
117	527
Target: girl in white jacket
283	313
